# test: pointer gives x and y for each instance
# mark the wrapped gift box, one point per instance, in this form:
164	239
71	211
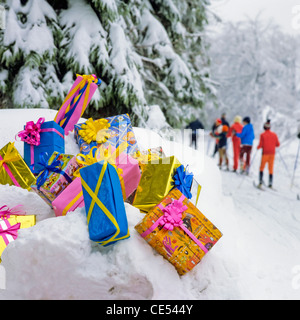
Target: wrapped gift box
13	169
56	177
177	230
9	228
155	183
69	199
76	101
41	137
105	210
117	131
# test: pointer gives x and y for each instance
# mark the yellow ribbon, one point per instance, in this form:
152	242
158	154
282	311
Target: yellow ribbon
11	155
95	131
107	155
96	200
85	79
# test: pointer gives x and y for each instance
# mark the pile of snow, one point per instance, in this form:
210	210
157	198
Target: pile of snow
56	260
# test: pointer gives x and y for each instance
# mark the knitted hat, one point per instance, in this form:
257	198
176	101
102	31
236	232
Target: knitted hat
267	125
247	119
219	121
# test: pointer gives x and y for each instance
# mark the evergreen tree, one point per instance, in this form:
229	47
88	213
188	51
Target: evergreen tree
146	52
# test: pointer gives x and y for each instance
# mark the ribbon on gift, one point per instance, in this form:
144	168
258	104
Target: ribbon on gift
95	131
48	168
183	181
96	201
106	154
76	94
31	135
11	155
172	218
9	232
6	212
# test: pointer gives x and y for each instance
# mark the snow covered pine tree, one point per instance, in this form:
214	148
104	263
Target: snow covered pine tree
145	51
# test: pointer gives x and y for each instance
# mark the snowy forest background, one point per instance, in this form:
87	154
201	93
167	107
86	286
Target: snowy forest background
149	52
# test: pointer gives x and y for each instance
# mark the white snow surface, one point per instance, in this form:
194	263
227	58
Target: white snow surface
257	257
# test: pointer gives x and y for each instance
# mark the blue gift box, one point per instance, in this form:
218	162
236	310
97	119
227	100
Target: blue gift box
120	130
52	138
104	204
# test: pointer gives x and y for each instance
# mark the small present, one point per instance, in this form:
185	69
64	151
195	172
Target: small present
41	137
127	167
109	131
177	230
9	228
56	175
76	101
13	169
69	199
156	182
105	210
147	156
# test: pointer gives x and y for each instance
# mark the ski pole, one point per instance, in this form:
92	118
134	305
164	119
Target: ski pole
284	163
295	167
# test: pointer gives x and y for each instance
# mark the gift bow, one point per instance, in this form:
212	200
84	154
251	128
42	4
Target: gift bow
11	230
95	131
183	181
46	169
11	155
145	158
31	133
172	215
5	212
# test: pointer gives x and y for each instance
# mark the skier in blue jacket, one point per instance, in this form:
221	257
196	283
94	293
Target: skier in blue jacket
247	136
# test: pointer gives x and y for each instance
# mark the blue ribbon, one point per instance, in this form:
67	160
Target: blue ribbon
183	181
47	169
74	106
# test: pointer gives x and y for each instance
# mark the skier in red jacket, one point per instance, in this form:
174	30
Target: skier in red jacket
237	127
268	143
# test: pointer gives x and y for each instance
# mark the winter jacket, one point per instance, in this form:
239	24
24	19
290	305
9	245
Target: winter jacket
221	134
247	135
268	142
238	128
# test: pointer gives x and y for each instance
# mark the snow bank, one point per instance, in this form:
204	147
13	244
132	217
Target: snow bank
56	260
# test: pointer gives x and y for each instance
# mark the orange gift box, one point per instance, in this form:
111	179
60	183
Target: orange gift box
177	230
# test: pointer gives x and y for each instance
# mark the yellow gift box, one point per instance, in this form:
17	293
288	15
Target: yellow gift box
24	221
177	230
156	182
13	169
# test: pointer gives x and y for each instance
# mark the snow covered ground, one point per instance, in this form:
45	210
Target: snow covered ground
257	258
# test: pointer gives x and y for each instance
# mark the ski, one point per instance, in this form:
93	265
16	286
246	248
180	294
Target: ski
258	187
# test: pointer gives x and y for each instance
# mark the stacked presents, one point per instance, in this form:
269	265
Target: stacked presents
109	170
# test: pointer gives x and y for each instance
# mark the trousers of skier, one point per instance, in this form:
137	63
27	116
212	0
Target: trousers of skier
268	143
247	137
236	127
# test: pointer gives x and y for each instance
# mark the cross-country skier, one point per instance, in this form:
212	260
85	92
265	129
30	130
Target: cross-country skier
268	143
236	127
220	133
247	136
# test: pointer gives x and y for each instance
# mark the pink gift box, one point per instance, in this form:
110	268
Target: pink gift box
70	199
131	172
72	109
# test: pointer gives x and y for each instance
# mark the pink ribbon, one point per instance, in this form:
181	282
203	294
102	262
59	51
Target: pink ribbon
172	218
31	133
5	212
9	230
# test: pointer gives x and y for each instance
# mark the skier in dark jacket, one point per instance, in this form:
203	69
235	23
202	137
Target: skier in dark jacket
220	133
195	126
